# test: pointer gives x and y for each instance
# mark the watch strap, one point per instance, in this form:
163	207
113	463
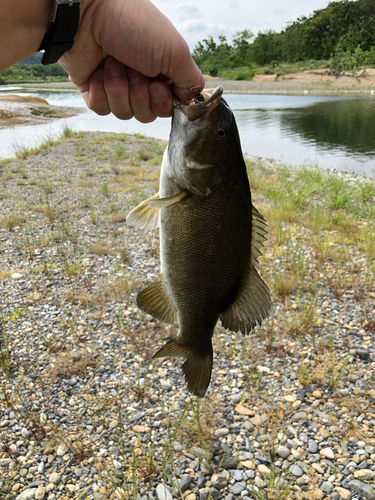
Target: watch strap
60	35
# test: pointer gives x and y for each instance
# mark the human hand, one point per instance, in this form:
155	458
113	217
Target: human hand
127	58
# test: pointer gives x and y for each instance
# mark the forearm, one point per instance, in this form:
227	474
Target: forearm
23	24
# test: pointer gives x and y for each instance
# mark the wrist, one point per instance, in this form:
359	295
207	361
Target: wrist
22	27
62	30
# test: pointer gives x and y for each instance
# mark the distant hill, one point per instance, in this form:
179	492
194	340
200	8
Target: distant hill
31	70
34	59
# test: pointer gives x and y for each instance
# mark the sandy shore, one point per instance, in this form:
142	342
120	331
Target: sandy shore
312	82
29	110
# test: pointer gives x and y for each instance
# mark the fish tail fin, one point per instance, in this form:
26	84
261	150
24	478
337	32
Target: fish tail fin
197	367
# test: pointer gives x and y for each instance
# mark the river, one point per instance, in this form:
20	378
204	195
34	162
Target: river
328	131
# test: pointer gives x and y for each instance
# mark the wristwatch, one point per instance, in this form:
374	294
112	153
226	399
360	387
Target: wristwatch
63	28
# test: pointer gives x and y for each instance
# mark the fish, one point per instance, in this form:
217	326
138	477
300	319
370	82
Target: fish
211	237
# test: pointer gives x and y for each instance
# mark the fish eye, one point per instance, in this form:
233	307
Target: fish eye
221	133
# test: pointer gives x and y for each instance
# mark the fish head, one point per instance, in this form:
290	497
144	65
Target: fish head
204	144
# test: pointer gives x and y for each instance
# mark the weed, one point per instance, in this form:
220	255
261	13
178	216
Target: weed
67	131
10	222
93	217
120	152
100	248
118	218
104	189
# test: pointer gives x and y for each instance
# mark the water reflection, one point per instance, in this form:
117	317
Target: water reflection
345	124
331	131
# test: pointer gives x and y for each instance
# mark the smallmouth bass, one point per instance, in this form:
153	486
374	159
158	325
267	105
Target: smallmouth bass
210	237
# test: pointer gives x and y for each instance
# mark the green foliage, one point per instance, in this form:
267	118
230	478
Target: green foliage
343	32
30	70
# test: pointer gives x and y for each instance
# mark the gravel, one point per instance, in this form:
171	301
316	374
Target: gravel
85	410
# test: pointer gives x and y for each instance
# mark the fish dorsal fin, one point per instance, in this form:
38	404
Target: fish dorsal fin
250	306
170	200
197	367
144	216
154	300
258	235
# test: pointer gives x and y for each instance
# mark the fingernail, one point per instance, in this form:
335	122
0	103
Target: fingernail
115	68
157	95
133	76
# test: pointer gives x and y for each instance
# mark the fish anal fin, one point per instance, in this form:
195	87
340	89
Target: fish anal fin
197	367
170	200
154	300
250	306
144	216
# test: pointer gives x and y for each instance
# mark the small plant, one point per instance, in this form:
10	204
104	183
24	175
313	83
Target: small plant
12	221
67	131
104	189
335	371
93	215
120	152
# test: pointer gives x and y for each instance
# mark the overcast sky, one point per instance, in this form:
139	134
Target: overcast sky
196	20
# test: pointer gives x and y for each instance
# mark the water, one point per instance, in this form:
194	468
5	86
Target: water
330	131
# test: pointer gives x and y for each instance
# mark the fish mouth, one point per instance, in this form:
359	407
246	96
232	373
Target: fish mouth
200	108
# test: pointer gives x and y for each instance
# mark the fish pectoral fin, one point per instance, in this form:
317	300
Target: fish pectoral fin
250	306
154	301
144	216
197	367
170	200
258	235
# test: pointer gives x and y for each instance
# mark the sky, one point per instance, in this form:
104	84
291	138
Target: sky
197	20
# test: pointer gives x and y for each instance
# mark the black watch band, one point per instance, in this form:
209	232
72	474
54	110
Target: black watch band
60	35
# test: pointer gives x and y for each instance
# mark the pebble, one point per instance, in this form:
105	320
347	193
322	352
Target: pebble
165	385
62	450
163	492
40	492
326	487
344	493
54	478
283	452
221	432
327	453
313	446
361	488
363	353
296	470
237	488
28	494
219	481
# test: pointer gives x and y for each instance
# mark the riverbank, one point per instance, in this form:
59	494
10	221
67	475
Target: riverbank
85	410
314	82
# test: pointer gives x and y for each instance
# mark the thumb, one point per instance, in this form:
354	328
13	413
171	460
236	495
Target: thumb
185	75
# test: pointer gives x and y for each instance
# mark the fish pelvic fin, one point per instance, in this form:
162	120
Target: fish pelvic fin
197	367
144	216
258	235
154	301
250	306
169	200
